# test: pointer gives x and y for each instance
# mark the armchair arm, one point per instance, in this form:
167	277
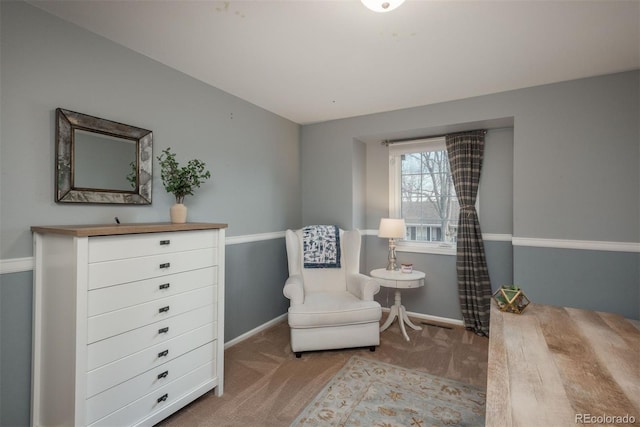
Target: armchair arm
294	290
362	286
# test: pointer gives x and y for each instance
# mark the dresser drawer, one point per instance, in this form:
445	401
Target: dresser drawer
109	248
159	399
108	273
121	395
128	367
111	298
119	321
404	284
105	351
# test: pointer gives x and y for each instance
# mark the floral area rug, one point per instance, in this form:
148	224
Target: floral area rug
369	393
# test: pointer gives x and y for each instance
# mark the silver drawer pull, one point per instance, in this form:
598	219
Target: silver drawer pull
163	398
165	242
163	375
163	309
164	286
165	265
163	330
163	353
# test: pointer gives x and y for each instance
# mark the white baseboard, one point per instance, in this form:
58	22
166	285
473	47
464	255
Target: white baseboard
577	244
248	238
492	237
586	245
254	331
495	237
16	265
429	317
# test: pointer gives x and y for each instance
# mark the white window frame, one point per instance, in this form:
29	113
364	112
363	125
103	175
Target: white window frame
396	150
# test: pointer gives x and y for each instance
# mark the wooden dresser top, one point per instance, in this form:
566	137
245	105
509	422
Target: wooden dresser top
116	229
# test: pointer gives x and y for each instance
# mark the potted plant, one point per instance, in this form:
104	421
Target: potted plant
181	181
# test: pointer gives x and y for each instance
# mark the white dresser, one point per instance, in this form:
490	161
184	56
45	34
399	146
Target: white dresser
128	321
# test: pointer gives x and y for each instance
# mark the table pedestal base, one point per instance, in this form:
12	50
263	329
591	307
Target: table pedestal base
398	311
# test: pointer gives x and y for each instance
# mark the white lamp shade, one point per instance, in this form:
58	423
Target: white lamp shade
382	5
391	228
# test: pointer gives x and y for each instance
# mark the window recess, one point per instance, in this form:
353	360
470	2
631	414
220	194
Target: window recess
421	191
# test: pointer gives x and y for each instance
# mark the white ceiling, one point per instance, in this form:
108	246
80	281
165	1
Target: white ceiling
311	61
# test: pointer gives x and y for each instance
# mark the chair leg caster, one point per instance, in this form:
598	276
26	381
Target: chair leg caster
298	354
372	348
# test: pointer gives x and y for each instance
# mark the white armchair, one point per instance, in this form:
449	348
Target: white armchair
331	308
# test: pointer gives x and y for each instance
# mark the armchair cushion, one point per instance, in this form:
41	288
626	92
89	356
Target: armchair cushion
333	309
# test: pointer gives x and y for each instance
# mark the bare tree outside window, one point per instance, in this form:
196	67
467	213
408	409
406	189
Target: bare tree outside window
429	203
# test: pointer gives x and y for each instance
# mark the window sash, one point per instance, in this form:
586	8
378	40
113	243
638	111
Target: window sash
395	197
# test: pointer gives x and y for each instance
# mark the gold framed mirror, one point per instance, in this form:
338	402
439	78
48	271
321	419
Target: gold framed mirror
101	161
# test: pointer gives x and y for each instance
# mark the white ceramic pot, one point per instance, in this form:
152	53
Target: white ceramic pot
178	213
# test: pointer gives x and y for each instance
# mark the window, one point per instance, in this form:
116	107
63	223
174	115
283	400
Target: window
422	192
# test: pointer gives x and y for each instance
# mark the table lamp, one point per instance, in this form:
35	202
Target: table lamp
392	229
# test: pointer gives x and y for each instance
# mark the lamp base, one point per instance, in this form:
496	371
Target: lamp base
392	265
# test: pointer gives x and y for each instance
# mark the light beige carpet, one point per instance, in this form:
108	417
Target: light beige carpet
265	385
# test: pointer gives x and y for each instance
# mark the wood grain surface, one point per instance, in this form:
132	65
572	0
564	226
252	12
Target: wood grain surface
115	229
560	366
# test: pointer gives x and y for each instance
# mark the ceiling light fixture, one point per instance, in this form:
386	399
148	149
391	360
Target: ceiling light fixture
382	5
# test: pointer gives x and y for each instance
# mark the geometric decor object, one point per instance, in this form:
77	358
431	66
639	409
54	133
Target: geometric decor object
511	299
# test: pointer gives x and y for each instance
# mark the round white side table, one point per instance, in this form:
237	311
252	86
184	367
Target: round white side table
398	281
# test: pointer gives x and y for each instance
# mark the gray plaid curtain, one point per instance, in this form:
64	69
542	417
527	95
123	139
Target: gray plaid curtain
465	151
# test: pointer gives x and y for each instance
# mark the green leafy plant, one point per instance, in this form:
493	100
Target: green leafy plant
181	181
132	176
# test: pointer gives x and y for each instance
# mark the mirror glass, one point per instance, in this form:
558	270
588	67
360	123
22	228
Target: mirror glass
101	161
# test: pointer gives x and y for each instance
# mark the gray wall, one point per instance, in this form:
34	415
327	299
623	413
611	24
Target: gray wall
253	155
46	63
15	348
572	173
255	295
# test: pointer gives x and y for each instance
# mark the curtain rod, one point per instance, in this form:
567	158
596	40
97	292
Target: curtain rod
388	142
